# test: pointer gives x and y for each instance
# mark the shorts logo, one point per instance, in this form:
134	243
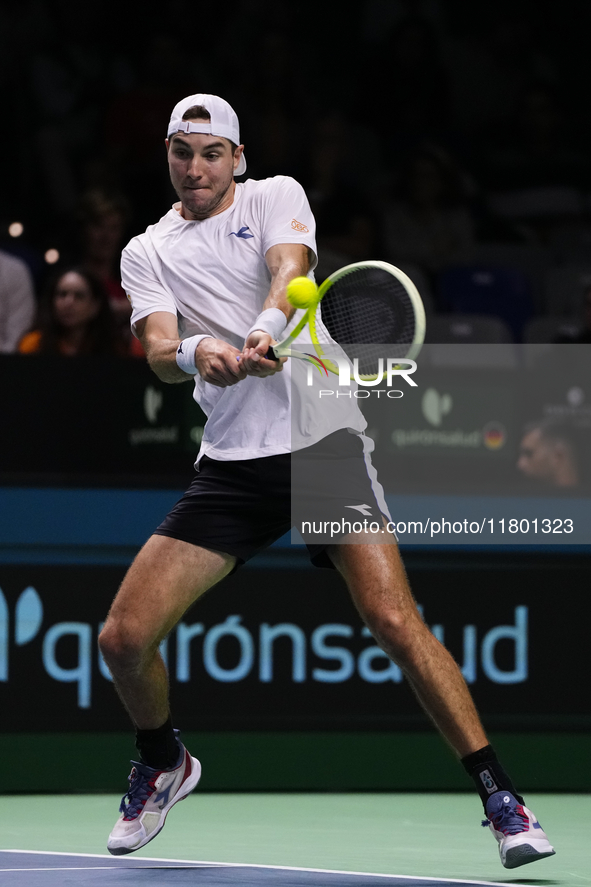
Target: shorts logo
298	226
488	782
365	510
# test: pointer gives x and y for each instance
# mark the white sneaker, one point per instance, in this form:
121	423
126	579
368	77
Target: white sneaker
520	835
150	796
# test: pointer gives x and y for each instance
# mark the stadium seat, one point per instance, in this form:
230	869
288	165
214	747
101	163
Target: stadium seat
502	292
537	203
571	242
529	258
543	330
446	329
468	340
565	288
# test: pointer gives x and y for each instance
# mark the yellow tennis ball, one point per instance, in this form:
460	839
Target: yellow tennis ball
301	292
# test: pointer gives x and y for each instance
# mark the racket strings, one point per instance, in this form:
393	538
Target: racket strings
371	315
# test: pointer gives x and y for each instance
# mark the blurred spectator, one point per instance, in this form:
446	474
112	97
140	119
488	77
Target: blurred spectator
346	227
136	120
75	318
407	91
273	141
549	453
17	302
68	72
583	336
492	64
382	15
538	147
104	216
428	221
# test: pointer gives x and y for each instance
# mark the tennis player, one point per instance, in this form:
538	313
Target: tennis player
207	288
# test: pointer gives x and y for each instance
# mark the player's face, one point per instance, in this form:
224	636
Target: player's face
202	173
536	456
74	304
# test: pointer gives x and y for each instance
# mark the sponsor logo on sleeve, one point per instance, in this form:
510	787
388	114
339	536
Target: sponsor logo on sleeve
299	226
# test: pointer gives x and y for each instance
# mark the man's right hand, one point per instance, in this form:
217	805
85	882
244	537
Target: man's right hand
218	363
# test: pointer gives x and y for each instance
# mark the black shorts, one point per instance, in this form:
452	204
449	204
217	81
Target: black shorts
241	507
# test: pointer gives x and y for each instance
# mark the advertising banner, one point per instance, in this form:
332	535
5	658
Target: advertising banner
286	650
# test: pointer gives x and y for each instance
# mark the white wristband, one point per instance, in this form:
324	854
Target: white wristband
271	321
185	354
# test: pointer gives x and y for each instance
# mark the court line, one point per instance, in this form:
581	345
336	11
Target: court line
192	863
101	868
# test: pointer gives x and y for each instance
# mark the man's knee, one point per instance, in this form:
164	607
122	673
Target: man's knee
398	633
122	646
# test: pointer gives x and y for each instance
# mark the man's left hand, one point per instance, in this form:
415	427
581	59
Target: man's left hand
253	360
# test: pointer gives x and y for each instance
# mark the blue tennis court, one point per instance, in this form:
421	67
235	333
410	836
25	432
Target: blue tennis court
52	869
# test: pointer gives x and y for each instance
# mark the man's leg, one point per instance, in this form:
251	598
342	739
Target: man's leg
167	576
378	585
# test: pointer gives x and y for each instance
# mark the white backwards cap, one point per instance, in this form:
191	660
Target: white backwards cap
224	121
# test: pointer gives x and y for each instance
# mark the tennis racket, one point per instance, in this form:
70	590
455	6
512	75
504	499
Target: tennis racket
371	310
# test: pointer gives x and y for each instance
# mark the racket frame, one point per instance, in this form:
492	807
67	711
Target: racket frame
283	348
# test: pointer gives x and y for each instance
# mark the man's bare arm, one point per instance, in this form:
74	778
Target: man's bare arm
216	360
285	261
159	335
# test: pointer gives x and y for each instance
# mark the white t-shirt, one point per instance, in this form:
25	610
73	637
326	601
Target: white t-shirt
212	275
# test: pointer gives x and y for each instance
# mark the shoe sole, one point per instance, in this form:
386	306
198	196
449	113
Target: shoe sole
523	854
186	790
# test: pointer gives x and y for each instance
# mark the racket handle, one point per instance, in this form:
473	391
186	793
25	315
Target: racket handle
270	355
